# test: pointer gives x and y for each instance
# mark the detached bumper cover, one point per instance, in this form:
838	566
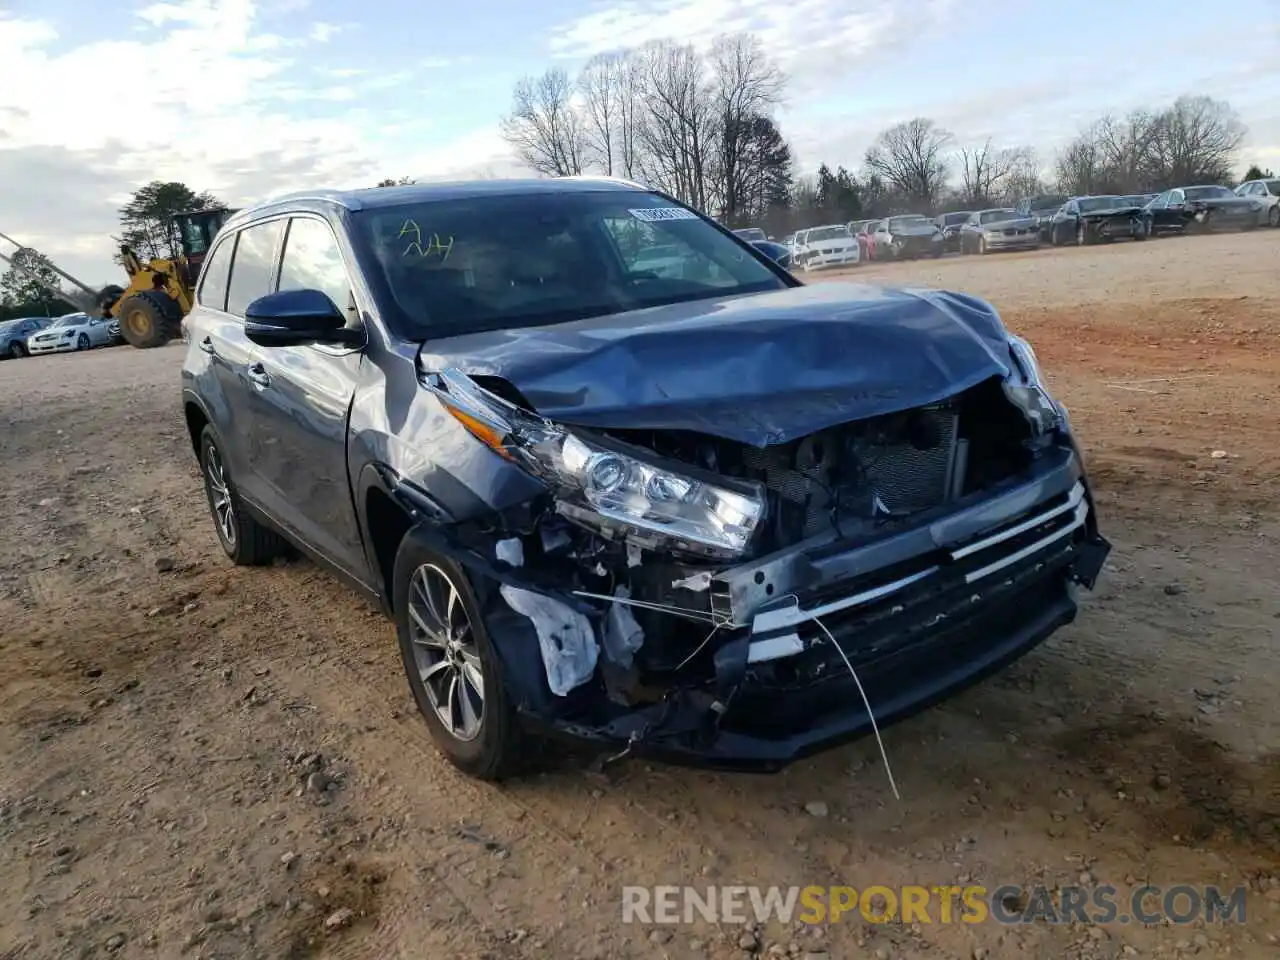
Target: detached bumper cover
919	615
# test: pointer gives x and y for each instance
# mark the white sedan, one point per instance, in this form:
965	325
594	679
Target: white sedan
830	246
75	331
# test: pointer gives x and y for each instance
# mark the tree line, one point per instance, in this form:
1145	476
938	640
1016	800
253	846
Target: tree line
702	128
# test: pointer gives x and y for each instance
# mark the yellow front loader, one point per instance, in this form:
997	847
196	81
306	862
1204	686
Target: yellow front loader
160	291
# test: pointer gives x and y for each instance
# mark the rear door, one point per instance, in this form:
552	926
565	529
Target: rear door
252	274
302	395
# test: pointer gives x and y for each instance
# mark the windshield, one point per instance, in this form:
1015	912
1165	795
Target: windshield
1137	201
505	261
1207	193
951	219
997	216
818	234
751	233
70	320
1093	204
899	223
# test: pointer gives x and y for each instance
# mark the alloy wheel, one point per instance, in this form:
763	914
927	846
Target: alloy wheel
1273	216
82	342
445	652
224	512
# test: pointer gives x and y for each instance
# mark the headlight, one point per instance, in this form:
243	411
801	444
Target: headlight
68	335
605	487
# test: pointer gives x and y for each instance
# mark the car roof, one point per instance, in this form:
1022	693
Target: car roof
373	198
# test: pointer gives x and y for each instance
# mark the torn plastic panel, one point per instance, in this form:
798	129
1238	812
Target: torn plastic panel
565	636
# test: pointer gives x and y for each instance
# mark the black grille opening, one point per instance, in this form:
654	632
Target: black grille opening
865	475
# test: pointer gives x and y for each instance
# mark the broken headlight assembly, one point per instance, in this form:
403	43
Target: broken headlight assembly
1027	392
603	487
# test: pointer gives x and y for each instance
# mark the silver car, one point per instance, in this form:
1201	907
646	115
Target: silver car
75	331
14	334
1000	228
1266	192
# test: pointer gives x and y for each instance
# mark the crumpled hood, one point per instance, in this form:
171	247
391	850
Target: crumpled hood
758	369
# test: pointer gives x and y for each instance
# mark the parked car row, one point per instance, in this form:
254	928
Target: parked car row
31	336
1050	218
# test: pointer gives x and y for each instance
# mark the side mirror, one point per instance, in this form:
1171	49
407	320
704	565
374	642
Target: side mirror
293	317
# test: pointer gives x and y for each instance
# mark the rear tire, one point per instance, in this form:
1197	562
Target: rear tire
496	750
1273	216
149	319
244	540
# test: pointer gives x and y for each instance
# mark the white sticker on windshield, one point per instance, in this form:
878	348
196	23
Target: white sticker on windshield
659	214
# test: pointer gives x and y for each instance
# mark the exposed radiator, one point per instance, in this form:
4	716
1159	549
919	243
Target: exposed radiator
868	473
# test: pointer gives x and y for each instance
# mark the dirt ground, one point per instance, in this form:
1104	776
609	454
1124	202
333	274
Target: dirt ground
163	712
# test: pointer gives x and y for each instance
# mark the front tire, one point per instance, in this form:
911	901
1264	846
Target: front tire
1082	235
453	669
149	319
17	351
1273	216
245	541
82	342
982	246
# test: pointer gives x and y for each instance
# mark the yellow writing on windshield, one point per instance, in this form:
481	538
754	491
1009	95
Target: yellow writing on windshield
434	245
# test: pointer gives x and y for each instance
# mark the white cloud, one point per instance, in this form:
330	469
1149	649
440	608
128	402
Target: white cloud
211	97
807	37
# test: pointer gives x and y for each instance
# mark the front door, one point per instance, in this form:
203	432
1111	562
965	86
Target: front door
302	395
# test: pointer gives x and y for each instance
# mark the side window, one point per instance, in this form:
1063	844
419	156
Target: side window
251	269
312	261
213	284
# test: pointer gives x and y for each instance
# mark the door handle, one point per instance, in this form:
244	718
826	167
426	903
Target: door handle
258	374
207	345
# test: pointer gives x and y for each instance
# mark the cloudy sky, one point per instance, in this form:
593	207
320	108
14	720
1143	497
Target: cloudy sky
252	97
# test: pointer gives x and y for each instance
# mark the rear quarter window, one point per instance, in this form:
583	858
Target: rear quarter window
254	263
213	284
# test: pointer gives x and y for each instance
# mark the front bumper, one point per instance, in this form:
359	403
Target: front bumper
845	258
1121	229
916	247
919	614
1021	241
54	346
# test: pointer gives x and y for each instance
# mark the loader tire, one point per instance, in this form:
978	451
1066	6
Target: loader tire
149	319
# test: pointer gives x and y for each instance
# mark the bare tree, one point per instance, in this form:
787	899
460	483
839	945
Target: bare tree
745	87
676	129
1125	147
601	88
1080	166
909	158
1024	178
544	127
984	173
1196	140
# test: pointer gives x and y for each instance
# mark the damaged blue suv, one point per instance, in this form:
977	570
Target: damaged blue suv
620	478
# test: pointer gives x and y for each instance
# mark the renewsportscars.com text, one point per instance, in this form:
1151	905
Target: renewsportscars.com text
1007	904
